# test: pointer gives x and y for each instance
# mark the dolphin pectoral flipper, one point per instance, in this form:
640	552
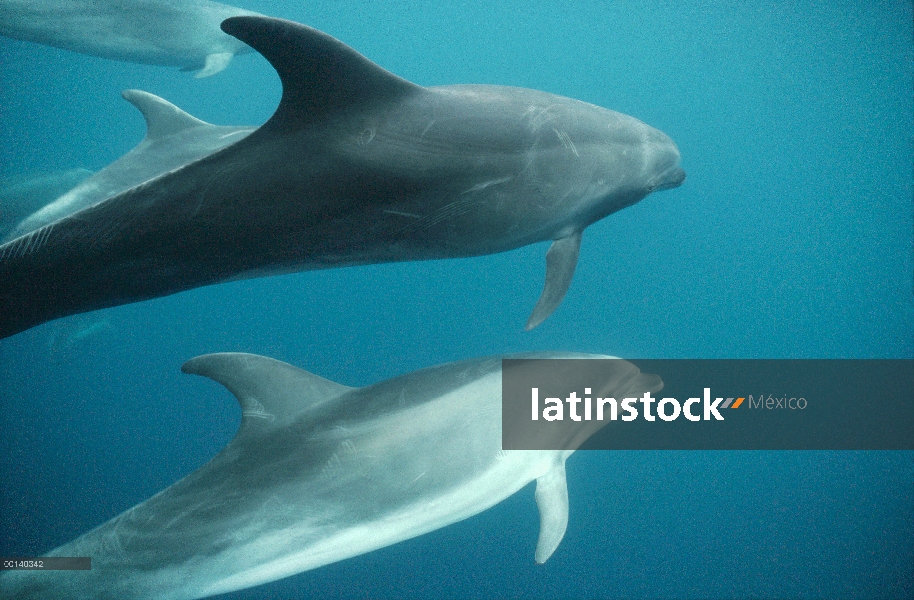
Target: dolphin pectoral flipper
552	501
271	393
215	62
561	260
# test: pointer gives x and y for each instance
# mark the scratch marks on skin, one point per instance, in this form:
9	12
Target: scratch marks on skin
73	228
463	205
481	186
127	528
113	545
221	174
565	139
366	136
230	134
331	467
272	509
41	237
334	465
540	117
403	214
100	236
256	410
448	211
27	244
413	482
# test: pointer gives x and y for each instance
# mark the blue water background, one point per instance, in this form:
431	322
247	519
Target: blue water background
791	238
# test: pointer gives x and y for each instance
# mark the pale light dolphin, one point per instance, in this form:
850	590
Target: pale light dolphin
319	472
356	166
22	195
181	33
173	139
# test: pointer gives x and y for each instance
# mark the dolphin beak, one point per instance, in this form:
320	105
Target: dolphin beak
671	178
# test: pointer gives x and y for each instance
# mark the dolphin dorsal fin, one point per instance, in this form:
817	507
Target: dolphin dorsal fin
162	117
271	393
320	74
552	501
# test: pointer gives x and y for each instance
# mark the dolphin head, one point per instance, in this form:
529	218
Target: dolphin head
662	160
582	162
594	161
661	163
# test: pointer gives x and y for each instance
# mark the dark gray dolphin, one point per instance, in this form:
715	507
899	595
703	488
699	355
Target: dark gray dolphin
356	166
319	472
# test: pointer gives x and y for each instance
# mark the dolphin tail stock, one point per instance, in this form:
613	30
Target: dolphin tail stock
23	298
43	275
561	260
